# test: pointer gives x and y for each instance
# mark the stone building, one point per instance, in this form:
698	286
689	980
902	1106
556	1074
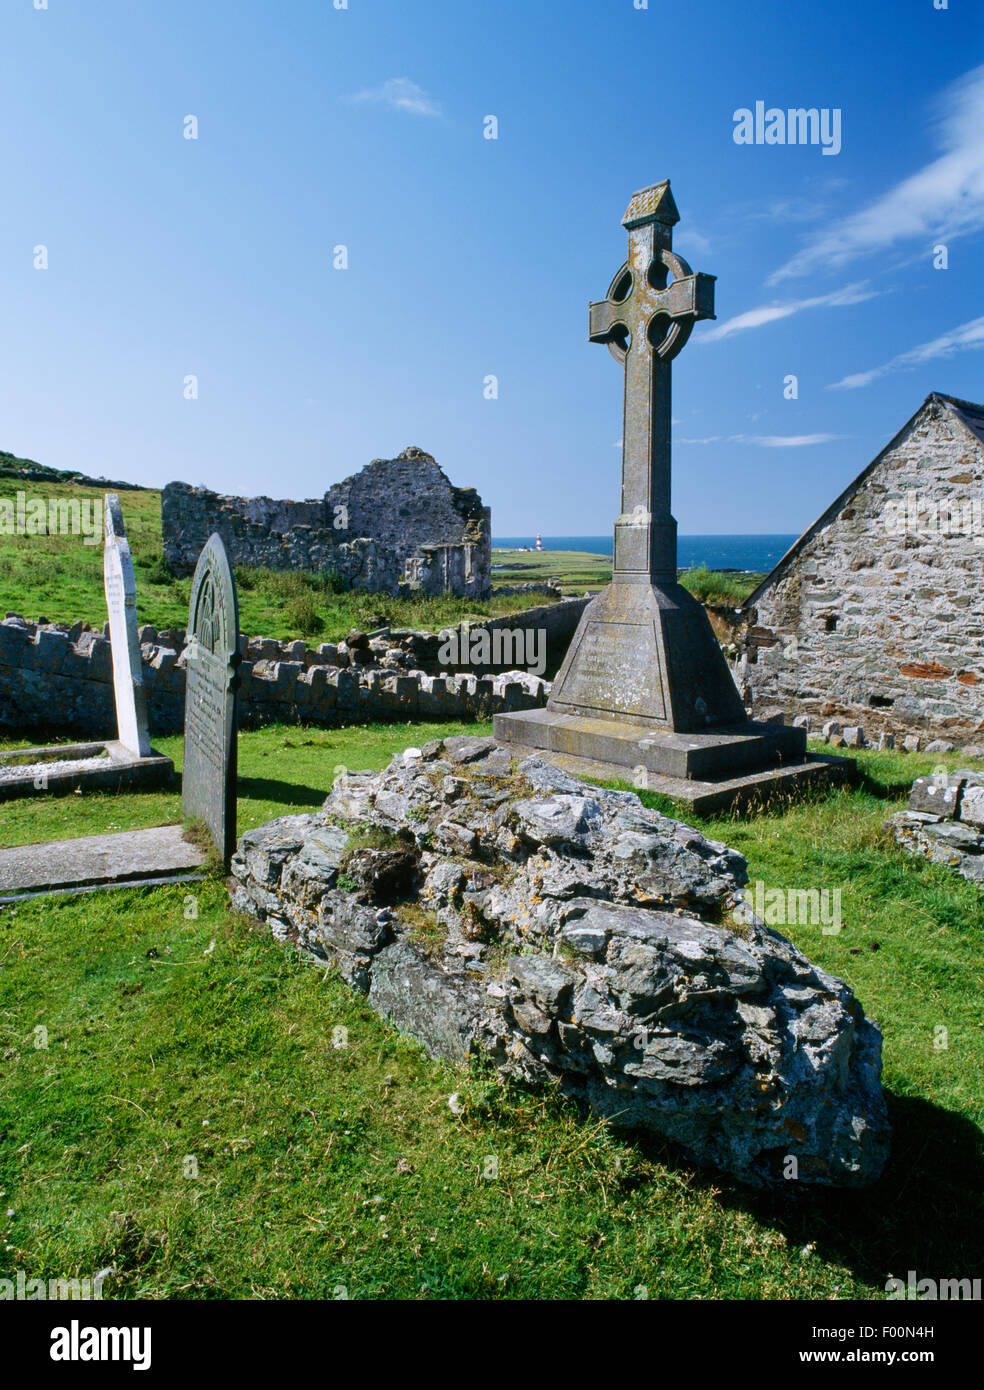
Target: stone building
875	617
399	524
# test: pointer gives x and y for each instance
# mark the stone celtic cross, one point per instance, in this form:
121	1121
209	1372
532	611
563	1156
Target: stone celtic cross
645	321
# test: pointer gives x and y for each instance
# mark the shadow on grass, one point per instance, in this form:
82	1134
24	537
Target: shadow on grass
884	791
290	794
925	1213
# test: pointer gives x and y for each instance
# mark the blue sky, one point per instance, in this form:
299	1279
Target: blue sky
469	257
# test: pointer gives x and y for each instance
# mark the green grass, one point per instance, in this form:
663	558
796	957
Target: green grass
321	1167
711	586
283	770
578	570
61	578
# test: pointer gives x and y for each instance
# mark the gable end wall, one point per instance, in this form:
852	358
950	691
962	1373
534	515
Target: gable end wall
879	624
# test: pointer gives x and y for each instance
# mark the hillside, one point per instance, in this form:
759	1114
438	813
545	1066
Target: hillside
60	578
29	471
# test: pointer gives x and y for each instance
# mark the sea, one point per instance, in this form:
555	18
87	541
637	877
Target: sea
753	554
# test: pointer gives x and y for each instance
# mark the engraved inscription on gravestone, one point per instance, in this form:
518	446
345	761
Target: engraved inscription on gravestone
212	659
604	671
121	603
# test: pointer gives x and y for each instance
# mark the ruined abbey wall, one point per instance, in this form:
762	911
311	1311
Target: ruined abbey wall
398	526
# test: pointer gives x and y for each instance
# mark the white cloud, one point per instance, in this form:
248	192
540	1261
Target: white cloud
770	313
697	243
944	199
792	210
791	441
968	335
400	94
766	441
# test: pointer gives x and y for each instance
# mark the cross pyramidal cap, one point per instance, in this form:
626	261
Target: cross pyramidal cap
644	684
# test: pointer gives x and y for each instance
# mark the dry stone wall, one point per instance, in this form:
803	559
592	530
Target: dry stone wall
398	526
944	821
57	677
878	619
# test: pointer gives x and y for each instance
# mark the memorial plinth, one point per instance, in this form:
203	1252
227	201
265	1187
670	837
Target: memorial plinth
645	691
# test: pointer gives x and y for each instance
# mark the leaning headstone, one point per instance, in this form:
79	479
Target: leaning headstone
212	664
121	603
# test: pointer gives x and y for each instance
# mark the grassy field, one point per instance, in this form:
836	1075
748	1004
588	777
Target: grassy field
579	570
576	570
187	1118
60	577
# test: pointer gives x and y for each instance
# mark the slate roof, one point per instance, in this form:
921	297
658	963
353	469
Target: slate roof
970	415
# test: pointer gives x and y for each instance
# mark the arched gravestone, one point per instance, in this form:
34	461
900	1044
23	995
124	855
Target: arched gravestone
212	660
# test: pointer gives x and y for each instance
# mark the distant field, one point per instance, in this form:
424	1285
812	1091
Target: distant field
60	577
573	568
580	570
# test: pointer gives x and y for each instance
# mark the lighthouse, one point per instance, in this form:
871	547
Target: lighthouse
539	543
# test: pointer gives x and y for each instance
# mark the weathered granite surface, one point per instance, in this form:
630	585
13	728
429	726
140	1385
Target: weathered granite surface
876	617
576	938
397	525
944	821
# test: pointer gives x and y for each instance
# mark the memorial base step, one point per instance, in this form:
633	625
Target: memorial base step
729	750
705	798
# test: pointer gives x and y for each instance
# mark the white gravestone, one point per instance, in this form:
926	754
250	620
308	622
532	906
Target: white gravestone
121	601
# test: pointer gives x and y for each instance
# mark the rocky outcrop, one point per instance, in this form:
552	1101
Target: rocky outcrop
576	938
944	821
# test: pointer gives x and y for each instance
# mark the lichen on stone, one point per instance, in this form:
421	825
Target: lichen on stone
578	939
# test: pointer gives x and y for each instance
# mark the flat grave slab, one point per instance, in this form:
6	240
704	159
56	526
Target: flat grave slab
705	797
63	768
131	858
